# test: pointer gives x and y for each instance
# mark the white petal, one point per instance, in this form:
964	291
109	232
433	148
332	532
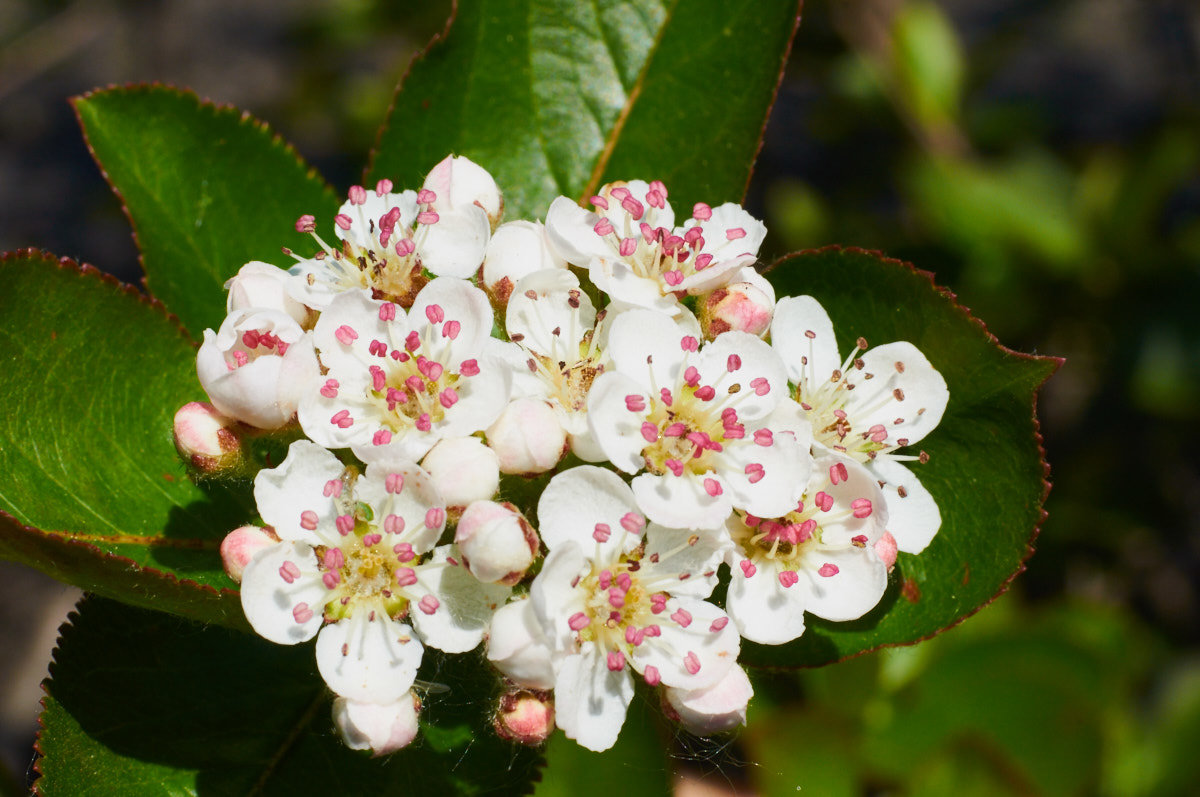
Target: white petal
375	208
671	553
730	216
358	312
516	249
763	610
786	466
860	484
569	228
576	500
590	699
914	519
459	301
647	347
533	321
717	275
382	728
615	429
681	502
269	600
851	592
554	596
628	290
374	661
816	357
717	708
412	504
460	182
756	360
709	640
924	390
517	646
454	246
464	604
295	486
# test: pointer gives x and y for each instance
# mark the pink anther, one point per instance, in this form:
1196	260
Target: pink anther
691	662
649	432
345	335
718	624
748	568
468	368
650	673
601	533
403	550
578	621
701	212
635	403
616	660
406	576
675	466
712	487
357	194
755	472
633	522
761	386
330	388
393	524
628	246
382	187
448	397
426	197
343	221
435	517
427	217
309	520
689	343
344	524
861	507
342	419
394	483
381	437
824	501
301	613
429	604
828	570
603	228
683	617
289	572
788	578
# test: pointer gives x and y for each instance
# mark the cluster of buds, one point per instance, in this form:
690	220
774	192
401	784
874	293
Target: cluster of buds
565	486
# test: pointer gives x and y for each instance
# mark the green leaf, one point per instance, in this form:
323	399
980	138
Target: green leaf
207	188
554	97
90	485
986	469
179	708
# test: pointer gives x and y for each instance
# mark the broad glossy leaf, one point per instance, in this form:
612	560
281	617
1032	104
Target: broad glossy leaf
986	469
180	708
92	490
207	188
543	93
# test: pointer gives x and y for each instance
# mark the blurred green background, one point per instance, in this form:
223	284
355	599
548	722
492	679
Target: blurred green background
1041	157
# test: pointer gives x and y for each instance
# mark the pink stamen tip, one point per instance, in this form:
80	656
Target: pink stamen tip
703	261
603	228
435	517
828	570
788	578
676	429
250	338
344	524
648	232
657	185
394	483
451	329
357	194
412	341
301	613
405	247
578	621
240	358
289	572
633	635
333	487
306	223
343	221
706	393
406	576
628	246
334	559
651	675
427	217
673	277
649	432
733	233
732	363
761	386
435	313
619	193
665	395
635	403
378	377
616	660
691	662
372	539
625	581
824	501
763	437
429	604
605	579
387	311
468	368
601	533
878	433
345	335
701	212
330	389
616	598
633	522
599	202
415	383
805	531
309	520
748	568
683	617
712	487
689	343
377	349
633	207
859	541
675	466
342	419
425	196
755	472
448	397
382	437
655	199
837	473
404	551
862	507
382	187
393	524
691	376
840	414
718	624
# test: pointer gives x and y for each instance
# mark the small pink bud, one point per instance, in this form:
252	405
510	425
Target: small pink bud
738	307
463	470
885	549
205	438
240	545
497	543
525	717
527	437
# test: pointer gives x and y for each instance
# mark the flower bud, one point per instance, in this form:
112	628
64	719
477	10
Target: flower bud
528	437
496	541
257	366
380	728
518	648
885	549
463	470
716	708
516	249
525	717
205	439
459	182
240	545
263	286
745	306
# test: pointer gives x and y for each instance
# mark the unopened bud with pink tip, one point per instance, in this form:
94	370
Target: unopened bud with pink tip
261	285
717	708
205	438
381	728
240	545
885	549
463	470
525	717
528	437
516	249
497	543
459	182
743	306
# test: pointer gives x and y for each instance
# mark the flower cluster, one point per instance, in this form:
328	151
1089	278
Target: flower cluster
556	438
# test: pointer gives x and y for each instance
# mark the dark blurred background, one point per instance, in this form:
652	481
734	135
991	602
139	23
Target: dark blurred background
1042	157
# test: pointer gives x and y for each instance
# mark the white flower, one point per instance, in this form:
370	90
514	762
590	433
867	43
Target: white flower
610	601
355	565
382	728
459	183
634	252
400	382
866	406
516	250
555	324
694	420
257	367
818	558
713	709
387	240
263	286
